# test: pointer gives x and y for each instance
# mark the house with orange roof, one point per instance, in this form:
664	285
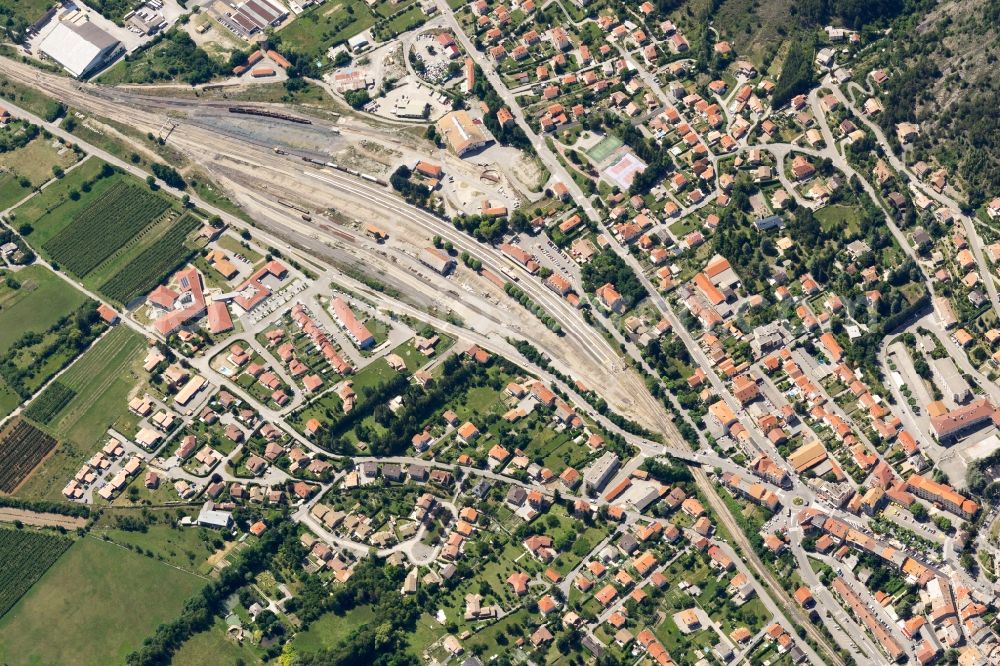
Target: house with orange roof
468	433
519	582
606	595
610	298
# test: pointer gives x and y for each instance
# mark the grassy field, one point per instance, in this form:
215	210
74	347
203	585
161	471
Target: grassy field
329	630
9	399
94	606
40	302
29	10
214	647
156	64
183	547
839	219
35	160
326	25
26	555
102	379
11	190
407	20
26	97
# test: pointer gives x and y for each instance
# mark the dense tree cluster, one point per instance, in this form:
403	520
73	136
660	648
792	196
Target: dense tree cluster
418	405
854	13
489	229
609	267
169	175
796	73
29	354
415	193
46	506
172	55
512	135
17	135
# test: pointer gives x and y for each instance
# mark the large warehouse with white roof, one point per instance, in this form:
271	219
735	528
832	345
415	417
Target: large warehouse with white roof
81	48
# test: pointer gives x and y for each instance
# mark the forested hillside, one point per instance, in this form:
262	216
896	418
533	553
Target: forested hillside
948	83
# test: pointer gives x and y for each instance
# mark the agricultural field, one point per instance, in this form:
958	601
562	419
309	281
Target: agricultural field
22	447
107	600
165	255
55	207
26	556
119	216
52	401
102	380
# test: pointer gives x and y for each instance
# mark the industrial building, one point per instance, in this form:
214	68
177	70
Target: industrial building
80	47
462	134
437	260
253	16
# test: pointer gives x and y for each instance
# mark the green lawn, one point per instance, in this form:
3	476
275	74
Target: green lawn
375	373
428	631
40	302
11	190
684	226
410	356
235	246
487	638
839	219
94	606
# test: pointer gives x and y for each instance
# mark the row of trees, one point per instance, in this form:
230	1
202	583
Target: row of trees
69	336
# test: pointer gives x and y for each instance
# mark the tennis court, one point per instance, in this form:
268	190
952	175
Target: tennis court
604	148
624	169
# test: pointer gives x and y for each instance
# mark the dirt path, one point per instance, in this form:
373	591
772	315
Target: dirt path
8	515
